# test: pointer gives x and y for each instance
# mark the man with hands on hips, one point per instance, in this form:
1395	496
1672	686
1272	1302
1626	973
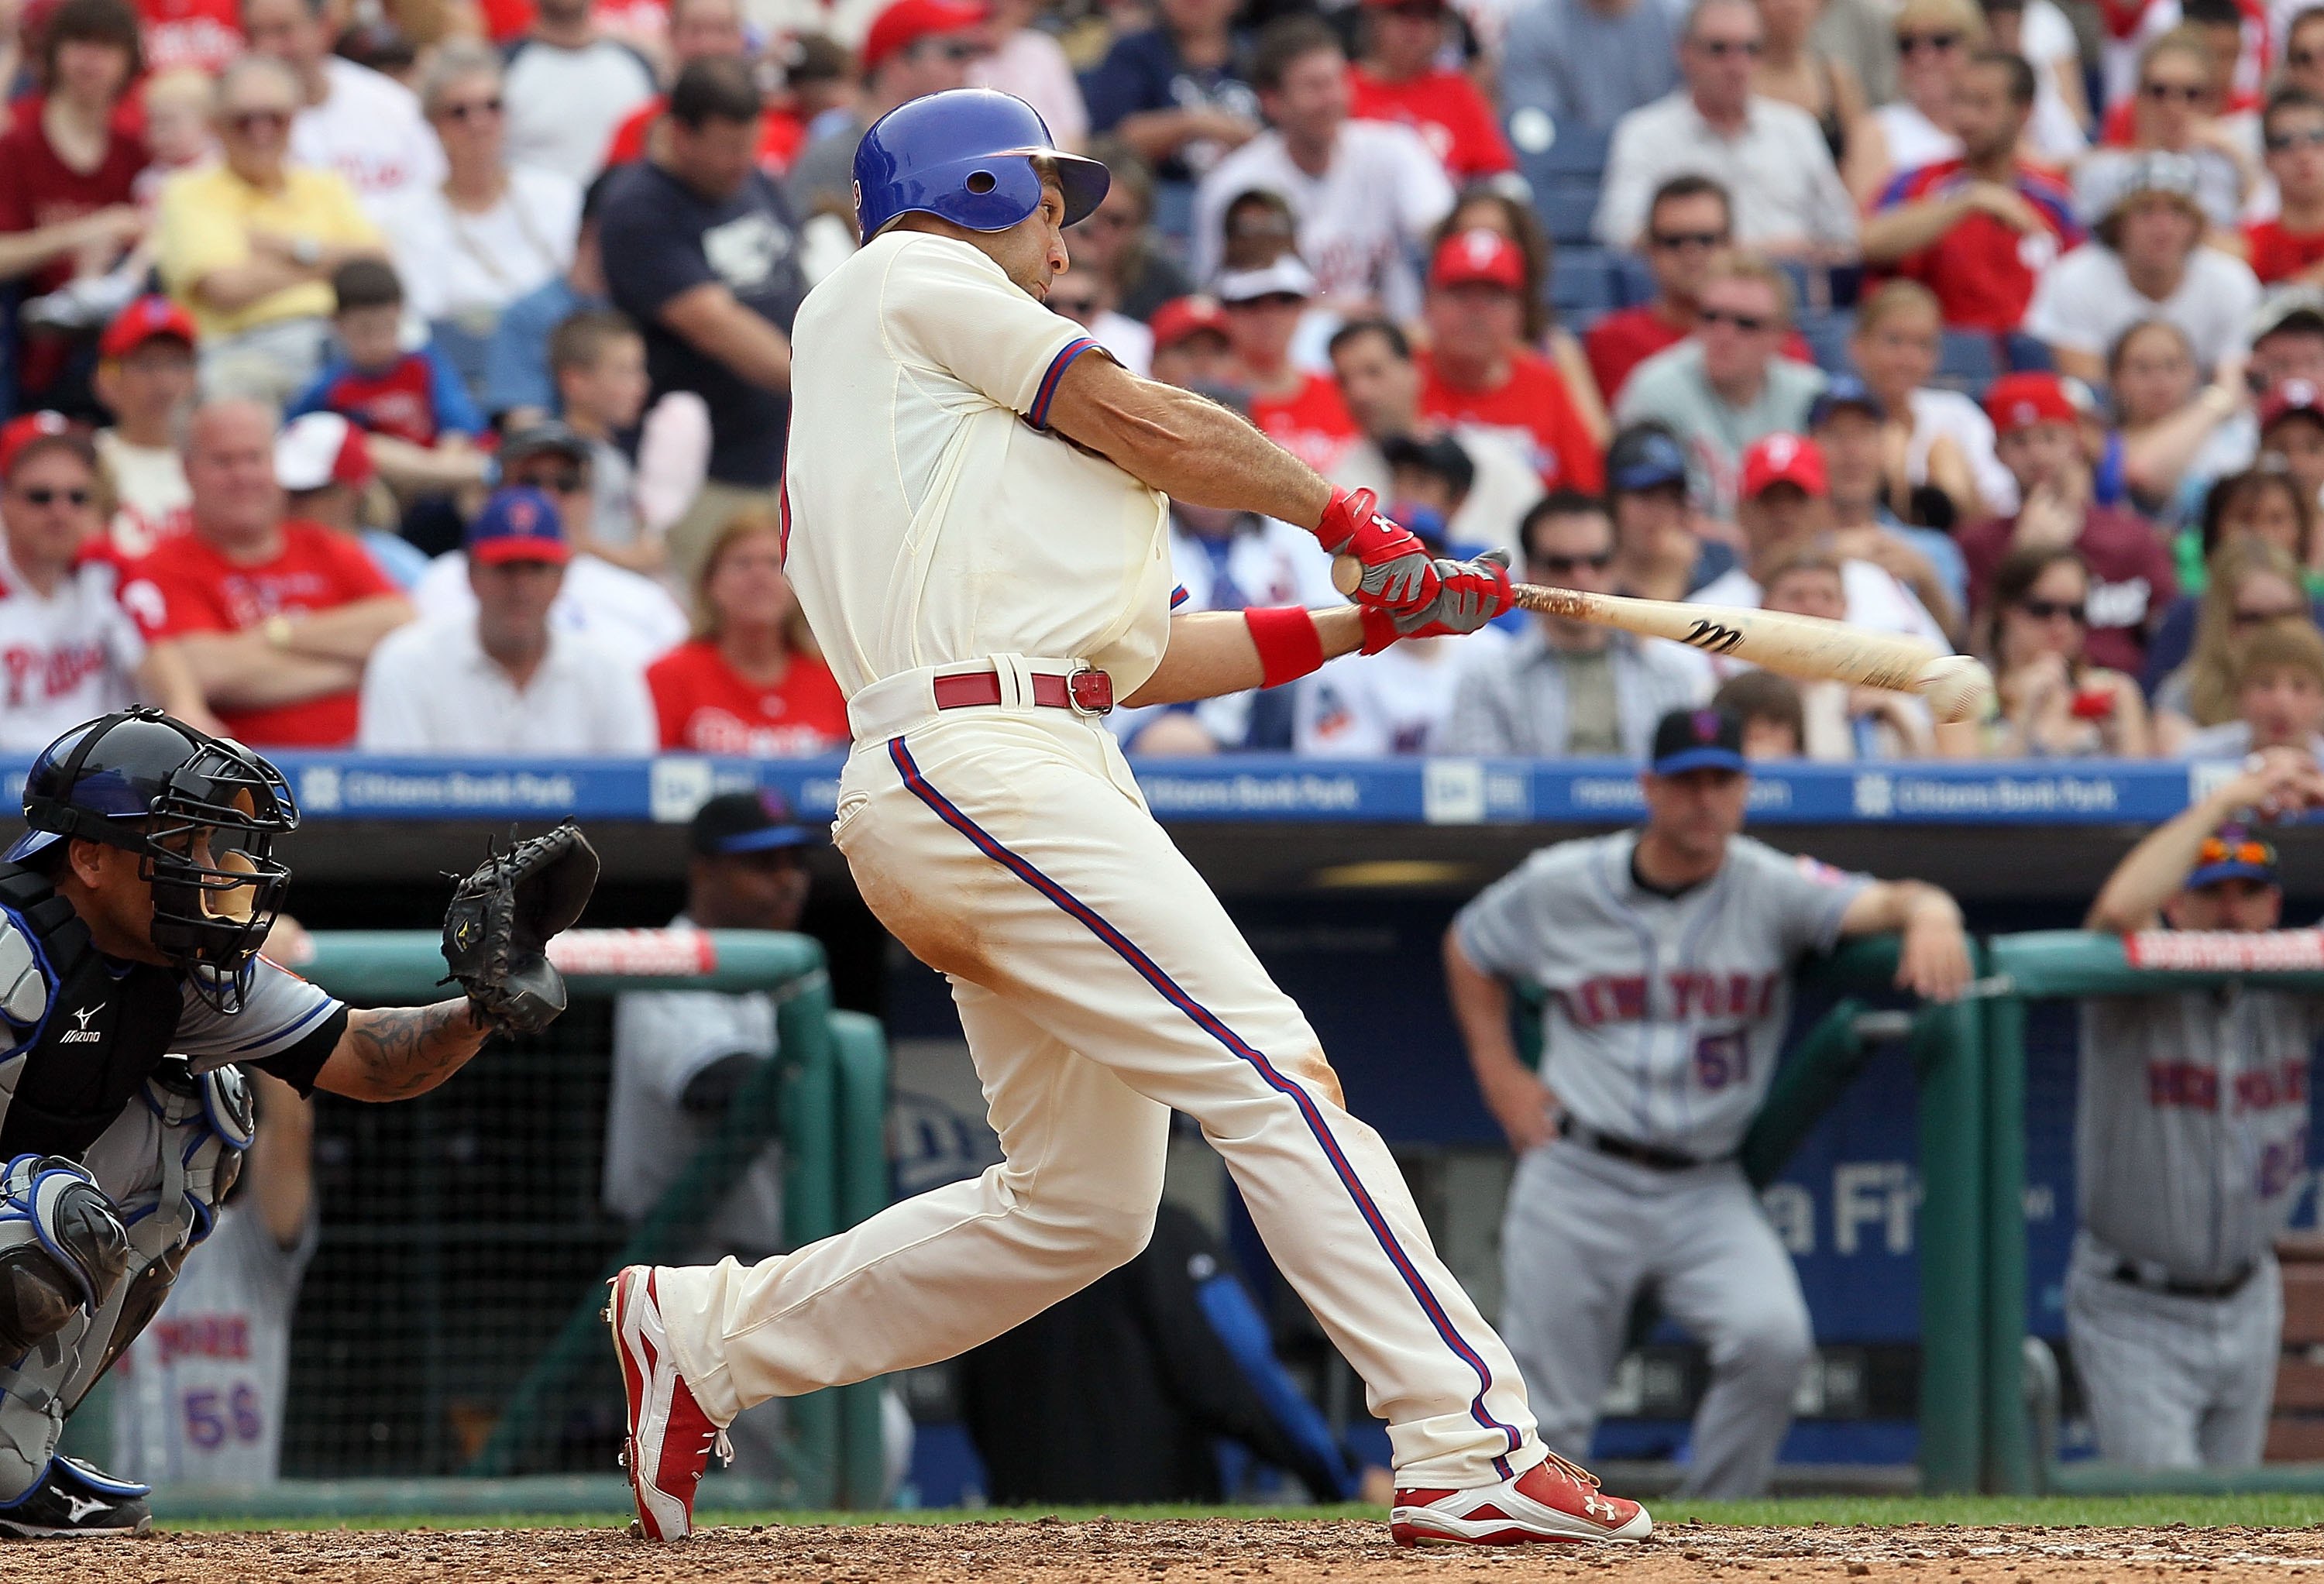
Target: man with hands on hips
1666	953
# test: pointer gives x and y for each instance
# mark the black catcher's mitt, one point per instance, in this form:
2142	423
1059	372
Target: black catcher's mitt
501	919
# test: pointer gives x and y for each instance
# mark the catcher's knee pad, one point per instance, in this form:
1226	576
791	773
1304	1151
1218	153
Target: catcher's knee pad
62	1249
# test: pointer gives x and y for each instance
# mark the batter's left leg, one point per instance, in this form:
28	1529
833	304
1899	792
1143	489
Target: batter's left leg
1726	1278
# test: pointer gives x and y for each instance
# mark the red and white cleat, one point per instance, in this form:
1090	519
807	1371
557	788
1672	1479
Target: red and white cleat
1553	1503
669	1437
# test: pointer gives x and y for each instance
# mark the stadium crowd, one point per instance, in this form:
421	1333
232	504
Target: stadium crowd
414	373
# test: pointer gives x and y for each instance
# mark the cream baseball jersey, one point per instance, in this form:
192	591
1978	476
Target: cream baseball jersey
973	530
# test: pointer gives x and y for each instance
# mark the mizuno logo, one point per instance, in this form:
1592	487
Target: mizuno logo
77	1508
84	1035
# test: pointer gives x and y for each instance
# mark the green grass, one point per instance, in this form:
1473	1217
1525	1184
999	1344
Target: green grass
2268	1510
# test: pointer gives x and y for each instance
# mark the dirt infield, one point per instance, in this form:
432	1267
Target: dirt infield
1107	1552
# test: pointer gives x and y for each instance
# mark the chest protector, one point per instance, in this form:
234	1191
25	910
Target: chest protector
87	1031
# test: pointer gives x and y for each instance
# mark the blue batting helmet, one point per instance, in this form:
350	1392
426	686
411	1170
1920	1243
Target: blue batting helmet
965	155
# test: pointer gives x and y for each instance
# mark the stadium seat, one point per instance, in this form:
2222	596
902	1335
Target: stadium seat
1827	336
1566	209
1967	358
1572	152
1585	282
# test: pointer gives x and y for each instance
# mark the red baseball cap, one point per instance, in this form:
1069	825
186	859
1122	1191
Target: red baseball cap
2291	396
1478	256
32	431
2019	402
1182	316
1783	459
148	318
908	21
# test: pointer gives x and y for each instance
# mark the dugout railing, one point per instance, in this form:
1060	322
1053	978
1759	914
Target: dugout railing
824	1099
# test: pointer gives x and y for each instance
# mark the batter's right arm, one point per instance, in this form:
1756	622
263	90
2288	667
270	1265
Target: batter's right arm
1186	445
1519	1101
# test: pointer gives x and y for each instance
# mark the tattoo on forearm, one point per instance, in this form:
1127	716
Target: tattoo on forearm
409	1050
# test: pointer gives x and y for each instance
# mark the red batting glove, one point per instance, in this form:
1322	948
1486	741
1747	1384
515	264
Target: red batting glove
1470	594
1397	573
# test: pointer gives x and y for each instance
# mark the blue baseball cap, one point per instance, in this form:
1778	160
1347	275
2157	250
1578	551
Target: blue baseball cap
2233	854
1846	391
1645	457
746	821
1698	740
517	525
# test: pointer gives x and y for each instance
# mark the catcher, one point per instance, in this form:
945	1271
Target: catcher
131	915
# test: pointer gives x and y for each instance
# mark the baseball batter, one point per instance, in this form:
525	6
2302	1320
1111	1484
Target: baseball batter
977	529
2190	1134
1667	955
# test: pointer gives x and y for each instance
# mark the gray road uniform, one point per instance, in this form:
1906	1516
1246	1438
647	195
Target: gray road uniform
2191	1133
1665	1019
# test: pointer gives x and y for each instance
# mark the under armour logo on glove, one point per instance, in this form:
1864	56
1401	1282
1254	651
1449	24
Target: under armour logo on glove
1397	573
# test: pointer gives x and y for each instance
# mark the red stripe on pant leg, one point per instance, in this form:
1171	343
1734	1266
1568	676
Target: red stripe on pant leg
1209	1022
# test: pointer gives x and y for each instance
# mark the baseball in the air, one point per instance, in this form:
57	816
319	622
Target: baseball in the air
1957	688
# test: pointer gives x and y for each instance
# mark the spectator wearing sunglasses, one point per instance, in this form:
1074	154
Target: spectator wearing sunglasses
1728	384
1118	240
2290	248
2146	260
1976	227
493	230
1935	39
249	245
360	123
2176	110
1769	156
2055	701
1400	77
72	648
1567	688
2124	564
2251	585
1588	63
914	47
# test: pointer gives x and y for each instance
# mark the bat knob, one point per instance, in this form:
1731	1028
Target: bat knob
1957	688
1347	574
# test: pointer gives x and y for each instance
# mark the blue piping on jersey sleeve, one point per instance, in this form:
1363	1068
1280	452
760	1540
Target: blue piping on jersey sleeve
1178	596
1046	391
1236	1322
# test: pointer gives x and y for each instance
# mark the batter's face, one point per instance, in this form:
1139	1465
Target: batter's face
747	890
2245	905
1032	251
1694	812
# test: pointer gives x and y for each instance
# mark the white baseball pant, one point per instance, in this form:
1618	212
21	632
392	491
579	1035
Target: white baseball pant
2174	1382
1101	986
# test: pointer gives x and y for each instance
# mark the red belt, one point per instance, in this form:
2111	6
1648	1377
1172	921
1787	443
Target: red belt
1085	693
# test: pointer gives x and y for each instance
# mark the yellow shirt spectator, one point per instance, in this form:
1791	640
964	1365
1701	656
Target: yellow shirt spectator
207	217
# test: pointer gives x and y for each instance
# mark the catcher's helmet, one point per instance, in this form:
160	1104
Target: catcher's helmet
965	155
201	812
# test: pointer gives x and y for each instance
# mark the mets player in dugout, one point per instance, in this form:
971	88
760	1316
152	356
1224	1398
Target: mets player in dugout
977	531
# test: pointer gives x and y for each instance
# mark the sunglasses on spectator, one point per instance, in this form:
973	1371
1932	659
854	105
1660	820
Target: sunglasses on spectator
250	121
1748	323
556	483
1913	43
1567	566
2307	137
2162	93
2075	611
2261	618
471	110
1720	48
1672	241
42	495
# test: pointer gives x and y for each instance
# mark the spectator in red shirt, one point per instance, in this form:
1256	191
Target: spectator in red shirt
705	30
1489	208
1688	222
203	34
749	681
68	168
275	617
2290	247
2131	579
1979	229
1398	79
1479	371
1297	408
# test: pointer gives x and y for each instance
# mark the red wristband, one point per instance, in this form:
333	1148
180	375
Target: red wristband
1288	645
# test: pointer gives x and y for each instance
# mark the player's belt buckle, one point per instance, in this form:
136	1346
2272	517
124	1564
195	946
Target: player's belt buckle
1089	691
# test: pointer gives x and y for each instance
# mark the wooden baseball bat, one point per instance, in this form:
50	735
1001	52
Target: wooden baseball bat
1797	646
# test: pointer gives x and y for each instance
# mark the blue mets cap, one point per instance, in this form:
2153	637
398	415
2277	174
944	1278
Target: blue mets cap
2233	854
1698	740
747	822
